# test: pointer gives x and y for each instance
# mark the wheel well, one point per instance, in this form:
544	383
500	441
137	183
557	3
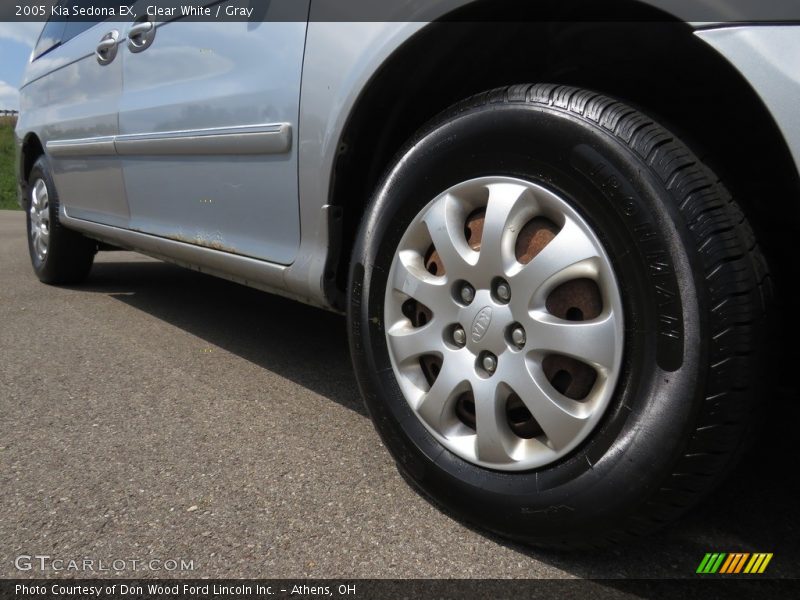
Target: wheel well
655	64
32	149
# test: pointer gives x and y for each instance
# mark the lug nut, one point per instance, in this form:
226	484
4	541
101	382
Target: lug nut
503	292
518	336
489	363
467	293
459	336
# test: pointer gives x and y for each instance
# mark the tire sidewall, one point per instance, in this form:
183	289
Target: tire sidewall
41	171
652	412
69	254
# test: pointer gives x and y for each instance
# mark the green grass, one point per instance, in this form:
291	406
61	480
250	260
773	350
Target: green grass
8	183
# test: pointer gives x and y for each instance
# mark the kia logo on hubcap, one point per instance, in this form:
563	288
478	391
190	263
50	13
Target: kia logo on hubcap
481	323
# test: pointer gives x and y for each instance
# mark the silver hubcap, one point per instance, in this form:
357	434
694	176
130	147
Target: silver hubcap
504	323
40	219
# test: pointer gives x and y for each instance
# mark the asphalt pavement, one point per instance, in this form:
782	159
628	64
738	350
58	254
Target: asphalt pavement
156	413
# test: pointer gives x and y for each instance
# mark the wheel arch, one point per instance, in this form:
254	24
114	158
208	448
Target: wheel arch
655	63
31	148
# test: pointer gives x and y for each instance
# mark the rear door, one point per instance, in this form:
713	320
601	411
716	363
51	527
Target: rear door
208	128
70	99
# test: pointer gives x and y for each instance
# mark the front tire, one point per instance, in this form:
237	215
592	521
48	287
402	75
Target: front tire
58	255
597	436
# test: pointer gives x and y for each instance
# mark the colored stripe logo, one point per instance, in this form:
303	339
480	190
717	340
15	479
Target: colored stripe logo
734	563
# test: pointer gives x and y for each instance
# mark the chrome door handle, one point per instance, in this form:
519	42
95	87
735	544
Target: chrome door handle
141	35
107	48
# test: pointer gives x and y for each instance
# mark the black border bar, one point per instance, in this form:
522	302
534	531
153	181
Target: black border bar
700	588
725	11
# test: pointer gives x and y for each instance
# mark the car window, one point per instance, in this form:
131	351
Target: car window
77	25
74	28
61	31
49	38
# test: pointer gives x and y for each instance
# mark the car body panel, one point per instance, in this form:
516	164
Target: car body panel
341	58
56	108
769	59
206	122
265	218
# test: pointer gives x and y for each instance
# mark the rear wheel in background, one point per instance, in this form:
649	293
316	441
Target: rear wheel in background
554	316
58	255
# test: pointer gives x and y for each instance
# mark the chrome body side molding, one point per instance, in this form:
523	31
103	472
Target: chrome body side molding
275	138
97	146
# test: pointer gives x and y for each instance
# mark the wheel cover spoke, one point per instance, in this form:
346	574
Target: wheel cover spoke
590	341
560	418
413	281
436	403
444	222
571	254
407	343
493	434
40	219
503	401
506	201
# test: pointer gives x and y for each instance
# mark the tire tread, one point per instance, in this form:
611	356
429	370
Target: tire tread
739	293
70	254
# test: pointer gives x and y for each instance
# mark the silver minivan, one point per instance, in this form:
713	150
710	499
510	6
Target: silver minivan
549	224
